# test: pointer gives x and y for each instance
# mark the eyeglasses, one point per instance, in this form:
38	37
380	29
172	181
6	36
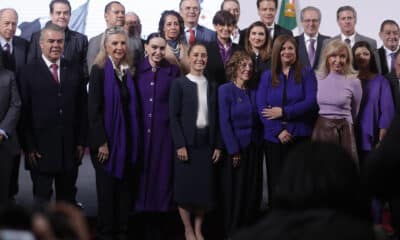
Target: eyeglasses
311	20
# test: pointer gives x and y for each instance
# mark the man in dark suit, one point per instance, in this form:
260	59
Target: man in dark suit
114	15
10	105
194	32
389	34
75	45
310	42
54	118
233	6
394	78
13	52
267	10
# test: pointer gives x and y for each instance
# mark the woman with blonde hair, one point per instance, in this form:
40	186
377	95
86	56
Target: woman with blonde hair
339	96
113	131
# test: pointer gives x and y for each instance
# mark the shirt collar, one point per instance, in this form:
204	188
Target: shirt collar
3	42
388	51
271	27
351	37
48	62
307	37
194	28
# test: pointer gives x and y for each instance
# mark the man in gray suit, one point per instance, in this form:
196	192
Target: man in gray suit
346	17
310	42
190	12
10	105
114	15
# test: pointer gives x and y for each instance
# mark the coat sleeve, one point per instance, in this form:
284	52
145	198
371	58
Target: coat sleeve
175	111
9	122
225	121
97	134
386	104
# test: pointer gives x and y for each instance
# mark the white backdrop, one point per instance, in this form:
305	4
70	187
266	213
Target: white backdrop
370	13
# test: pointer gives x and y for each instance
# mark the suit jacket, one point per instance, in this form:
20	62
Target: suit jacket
20	49
278	30
54	116
203	35
302	50
75	49
183	105
215	68
10	107
382	58
135	44
395	88
359	38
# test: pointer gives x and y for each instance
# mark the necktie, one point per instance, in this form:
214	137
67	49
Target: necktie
311	51
348	42
192	38
7	48
54	72
392	58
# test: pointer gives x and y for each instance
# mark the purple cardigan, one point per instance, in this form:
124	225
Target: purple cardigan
300	107
376	111
238	117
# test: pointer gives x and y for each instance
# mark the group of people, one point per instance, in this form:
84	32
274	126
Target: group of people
185	118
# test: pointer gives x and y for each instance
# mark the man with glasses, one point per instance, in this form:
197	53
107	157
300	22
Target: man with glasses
389	34
310	41
190	12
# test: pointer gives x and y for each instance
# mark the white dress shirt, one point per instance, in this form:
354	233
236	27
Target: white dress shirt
202	110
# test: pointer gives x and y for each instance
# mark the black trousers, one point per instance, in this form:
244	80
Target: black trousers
6	163
64	183
275	159
13	188
114	202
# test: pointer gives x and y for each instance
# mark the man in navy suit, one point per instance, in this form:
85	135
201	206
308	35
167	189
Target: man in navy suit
389	34
53	118
190	12
310	41
13	52
267	10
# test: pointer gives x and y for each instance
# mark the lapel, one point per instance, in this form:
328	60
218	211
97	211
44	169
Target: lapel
63	72
382	56
320	42
303	49
19	53
199	33
48	77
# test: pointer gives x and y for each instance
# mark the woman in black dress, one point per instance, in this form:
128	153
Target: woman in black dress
194	126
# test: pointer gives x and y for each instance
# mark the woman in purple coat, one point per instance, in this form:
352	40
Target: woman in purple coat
286	101
376	109
156	153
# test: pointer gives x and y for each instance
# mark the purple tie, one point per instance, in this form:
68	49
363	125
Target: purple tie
311	51
7	48
54	72
392	63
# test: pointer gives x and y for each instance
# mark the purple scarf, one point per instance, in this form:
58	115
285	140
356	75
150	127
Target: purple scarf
114	122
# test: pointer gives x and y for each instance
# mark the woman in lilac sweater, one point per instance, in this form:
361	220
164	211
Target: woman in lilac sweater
286	102
339	96
240	130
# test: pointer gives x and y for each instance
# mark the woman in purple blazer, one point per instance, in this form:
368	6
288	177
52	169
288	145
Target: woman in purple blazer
240	130
286	101
376	109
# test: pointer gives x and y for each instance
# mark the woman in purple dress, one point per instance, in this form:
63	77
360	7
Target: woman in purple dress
376	110
155	165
